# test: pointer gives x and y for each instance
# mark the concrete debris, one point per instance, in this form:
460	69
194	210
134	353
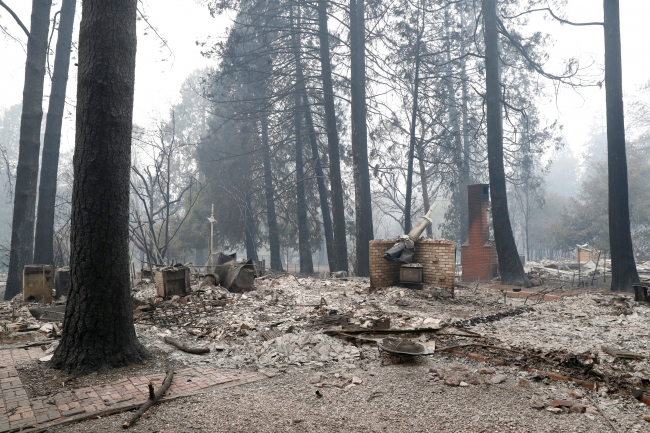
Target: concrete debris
452	381
536	404
305	348
498	378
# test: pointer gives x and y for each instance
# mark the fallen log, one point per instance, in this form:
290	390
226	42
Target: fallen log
181	346
153	398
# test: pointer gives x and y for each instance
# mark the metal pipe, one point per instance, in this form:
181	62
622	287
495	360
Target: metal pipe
422	224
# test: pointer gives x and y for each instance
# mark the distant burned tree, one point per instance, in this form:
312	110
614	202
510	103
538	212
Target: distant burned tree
44	238
624	272
163	175
22	228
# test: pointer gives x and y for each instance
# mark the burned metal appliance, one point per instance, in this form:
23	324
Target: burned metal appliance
237	277
411	276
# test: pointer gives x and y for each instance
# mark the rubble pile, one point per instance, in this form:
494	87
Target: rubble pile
589	326
304	348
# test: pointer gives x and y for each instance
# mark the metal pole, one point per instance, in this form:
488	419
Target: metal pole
212	221
579	266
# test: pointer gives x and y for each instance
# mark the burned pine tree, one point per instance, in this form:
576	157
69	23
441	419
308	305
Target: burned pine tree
624	272
304	247
22	228
333	144
359	139
510	267
98	330
44	239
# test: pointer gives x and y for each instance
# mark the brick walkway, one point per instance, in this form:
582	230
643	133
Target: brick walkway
18	410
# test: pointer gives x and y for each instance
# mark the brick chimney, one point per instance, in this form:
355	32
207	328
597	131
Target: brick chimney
478	253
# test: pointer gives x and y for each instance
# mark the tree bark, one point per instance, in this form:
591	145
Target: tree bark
336	184
269	192
98	331
22	228
304	248
44	241
624	272
362	198
510	267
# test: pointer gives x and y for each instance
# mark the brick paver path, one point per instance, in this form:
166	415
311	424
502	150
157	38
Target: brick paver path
18	410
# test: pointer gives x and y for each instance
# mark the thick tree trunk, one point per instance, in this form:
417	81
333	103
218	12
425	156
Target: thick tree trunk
272	221
44	242
304	247
22	228
362	198
510	267
411	155
322	187
251	249
624	271
336	184
98	329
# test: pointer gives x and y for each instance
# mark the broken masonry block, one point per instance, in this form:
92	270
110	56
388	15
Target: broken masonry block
172	281
641	292
62	281
37	283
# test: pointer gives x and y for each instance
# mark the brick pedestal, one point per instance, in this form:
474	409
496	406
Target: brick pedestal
437	257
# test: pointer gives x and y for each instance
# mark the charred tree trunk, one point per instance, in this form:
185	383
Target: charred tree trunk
464	169
510	267
251	249
322	187
22	228
411	155
362	198
98	331
624	271
44	242
336	184
304	248
318	168
425	187
272	221
455	120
